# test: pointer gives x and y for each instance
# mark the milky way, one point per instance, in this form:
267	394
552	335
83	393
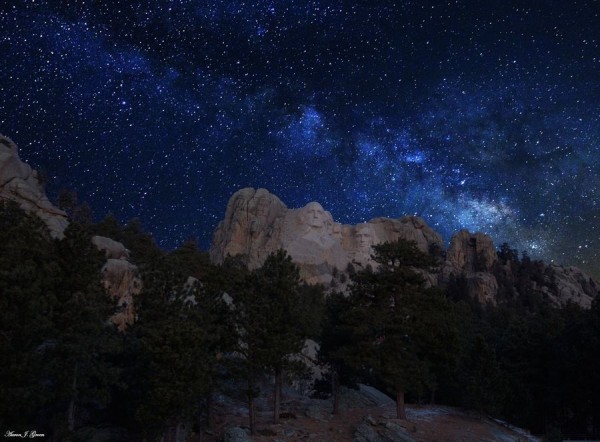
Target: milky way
478	115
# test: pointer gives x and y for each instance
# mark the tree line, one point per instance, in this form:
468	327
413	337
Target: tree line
204	329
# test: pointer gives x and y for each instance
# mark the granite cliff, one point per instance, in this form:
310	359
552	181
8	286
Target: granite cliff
257	223
22	184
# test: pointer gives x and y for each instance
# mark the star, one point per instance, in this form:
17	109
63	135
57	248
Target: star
472	116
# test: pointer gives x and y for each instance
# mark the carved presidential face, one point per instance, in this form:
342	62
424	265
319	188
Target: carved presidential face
364	237
314	215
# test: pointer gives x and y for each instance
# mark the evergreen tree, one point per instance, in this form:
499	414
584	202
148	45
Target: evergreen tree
483	383
399	329
79	212
78	362
272	316
179	337
335	339
29	279
54	325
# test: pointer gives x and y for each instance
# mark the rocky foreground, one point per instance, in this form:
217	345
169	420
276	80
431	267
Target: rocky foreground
368	419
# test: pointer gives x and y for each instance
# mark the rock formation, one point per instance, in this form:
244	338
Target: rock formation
470	252
20	183
571	284
121	280
111	248
472	256
257	223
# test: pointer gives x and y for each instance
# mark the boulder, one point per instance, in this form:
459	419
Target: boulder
111	248
379	398
20	183
364	397
365	432
319	409
236	434
387	431
395	432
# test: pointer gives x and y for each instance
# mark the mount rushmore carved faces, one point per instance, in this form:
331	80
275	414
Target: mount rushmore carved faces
364	237
314	215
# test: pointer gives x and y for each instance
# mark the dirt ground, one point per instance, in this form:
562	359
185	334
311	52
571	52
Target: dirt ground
423	424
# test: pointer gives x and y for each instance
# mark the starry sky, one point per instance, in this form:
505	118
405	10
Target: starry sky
471	114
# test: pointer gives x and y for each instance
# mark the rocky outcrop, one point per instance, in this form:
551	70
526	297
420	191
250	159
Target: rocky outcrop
470	252
121	280
252	224
570	284
122	284
257	223
472	256
482	286
383	430
111	248
20	183
236	434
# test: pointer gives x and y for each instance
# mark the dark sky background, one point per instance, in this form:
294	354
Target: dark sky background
482	115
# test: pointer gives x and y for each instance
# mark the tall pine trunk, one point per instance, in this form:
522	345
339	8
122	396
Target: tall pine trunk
277	394
433	386
251	411
335	389
252	415
400	408
209	414
72	402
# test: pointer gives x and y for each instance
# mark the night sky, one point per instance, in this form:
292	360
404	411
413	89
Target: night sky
472	114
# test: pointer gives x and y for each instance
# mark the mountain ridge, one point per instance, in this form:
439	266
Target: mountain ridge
257	222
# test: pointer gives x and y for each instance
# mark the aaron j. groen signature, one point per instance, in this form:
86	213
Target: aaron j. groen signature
30	434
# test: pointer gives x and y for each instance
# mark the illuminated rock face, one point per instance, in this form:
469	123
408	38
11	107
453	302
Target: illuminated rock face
122	283
257	223
20	183
472	256
121	280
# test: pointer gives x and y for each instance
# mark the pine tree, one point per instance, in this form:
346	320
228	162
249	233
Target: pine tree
335	339
29	278
54	324
400	330
181	332
272	319
483	387
78	361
